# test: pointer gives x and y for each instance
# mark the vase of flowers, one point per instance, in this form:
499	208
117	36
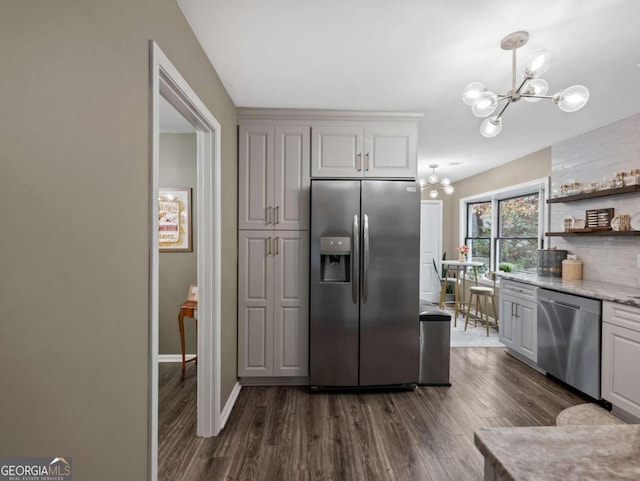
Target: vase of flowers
463	250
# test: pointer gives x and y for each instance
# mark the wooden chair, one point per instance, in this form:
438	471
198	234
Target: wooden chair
485	293
444	283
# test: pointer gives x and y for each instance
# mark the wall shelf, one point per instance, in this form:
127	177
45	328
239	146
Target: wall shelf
601	233
630	189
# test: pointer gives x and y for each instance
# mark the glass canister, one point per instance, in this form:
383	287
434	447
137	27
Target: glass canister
633	177
619	179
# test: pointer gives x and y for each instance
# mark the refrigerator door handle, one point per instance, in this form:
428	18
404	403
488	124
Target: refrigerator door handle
365	258
354	260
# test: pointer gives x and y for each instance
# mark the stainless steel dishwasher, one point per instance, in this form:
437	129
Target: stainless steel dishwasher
569	339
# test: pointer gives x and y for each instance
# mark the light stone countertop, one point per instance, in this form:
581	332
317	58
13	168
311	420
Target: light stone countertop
568	453
597	290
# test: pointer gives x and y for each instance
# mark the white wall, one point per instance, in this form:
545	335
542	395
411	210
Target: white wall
590	158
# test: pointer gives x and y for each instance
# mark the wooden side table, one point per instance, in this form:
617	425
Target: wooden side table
187	309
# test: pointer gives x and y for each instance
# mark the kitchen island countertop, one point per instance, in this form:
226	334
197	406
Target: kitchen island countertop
597	290
567	453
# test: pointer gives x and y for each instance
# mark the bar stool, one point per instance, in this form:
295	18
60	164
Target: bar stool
444	283
486	293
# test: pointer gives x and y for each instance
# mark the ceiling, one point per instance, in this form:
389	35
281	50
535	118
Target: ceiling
418	55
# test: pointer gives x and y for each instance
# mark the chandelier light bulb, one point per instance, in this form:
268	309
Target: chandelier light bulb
485	104
572	98
423	184
491	127
538	64
448	189
433	193
471	92
433	179
445	182
536	86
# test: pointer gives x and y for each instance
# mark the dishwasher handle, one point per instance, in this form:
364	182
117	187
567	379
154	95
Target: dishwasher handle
562	304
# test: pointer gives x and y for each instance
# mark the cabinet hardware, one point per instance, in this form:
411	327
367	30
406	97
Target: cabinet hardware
277	215
268	215
277	248
366	162
359	163
269	246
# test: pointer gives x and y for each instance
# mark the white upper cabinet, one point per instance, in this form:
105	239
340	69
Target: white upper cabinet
337	150
390	151
273	177
361	150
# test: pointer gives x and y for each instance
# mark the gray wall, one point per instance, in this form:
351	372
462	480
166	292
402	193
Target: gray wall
74	242
178	269
531	167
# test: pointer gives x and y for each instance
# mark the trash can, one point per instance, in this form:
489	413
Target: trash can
435	340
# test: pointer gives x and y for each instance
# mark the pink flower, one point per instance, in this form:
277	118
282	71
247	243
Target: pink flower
463	249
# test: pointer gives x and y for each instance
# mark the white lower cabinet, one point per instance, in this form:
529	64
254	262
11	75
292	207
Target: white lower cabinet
519	318
621	357
273	303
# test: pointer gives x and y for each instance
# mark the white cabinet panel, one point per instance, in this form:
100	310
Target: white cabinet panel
255	176
621	357
519	318
367	149
507	321
390	151
337	150
528	323
273	295
255	304
292	180
291	288
273	177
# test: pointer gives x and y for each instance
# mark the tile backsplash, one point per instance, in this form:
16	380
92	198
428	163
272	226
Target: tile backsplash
594	157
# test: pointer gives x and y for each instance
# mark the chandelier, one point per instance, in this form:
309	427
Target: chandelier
483	102
434	182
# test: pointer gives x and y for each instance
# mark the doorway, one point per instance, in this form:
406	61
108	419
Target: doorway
167	85
430	248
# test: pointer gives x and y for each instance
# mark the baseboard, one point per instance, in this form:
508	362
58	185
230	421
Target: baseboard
224	415
173	357
274	381
524	360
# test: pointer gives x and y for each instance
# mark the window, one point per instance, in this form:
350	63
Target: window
505	226
479	220
517	241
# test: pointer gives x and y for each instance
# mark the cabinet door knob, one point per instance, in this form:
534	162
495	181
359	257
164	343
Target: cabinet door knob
277	215
269	246
268	215
277	248
359	162
366	164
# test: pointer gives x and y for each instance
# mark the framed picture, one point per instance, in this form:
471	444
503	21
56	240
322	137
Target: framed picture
174	220
193	293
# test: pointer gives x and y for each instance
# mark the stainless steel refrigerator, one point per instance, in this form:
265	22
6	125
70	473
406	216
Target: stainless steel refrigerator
364	286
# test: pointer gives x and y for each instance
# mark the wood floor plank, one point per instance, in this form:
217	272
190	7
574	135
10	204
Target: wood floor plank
289	433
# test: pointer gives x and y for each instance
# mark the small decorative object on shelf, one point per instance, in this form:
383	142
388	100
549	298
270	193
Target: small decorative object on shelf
599	219
463	250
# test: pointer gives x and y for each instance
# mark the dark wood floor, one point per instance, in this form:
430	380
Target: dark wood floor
278	433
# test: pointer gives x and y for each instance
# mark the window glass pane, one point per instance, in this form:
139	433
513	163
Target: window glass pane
480	250
522	254
519	217
479	220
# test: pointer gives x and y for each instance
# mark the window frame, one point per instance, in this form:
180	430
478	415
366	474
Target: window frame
540	186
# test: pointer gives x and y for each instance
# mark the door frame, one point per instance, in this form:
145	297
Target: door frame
167	82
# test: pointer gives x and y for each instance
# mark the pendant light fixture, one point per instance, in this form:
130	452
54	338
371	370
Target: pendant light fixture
483	102
433	182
